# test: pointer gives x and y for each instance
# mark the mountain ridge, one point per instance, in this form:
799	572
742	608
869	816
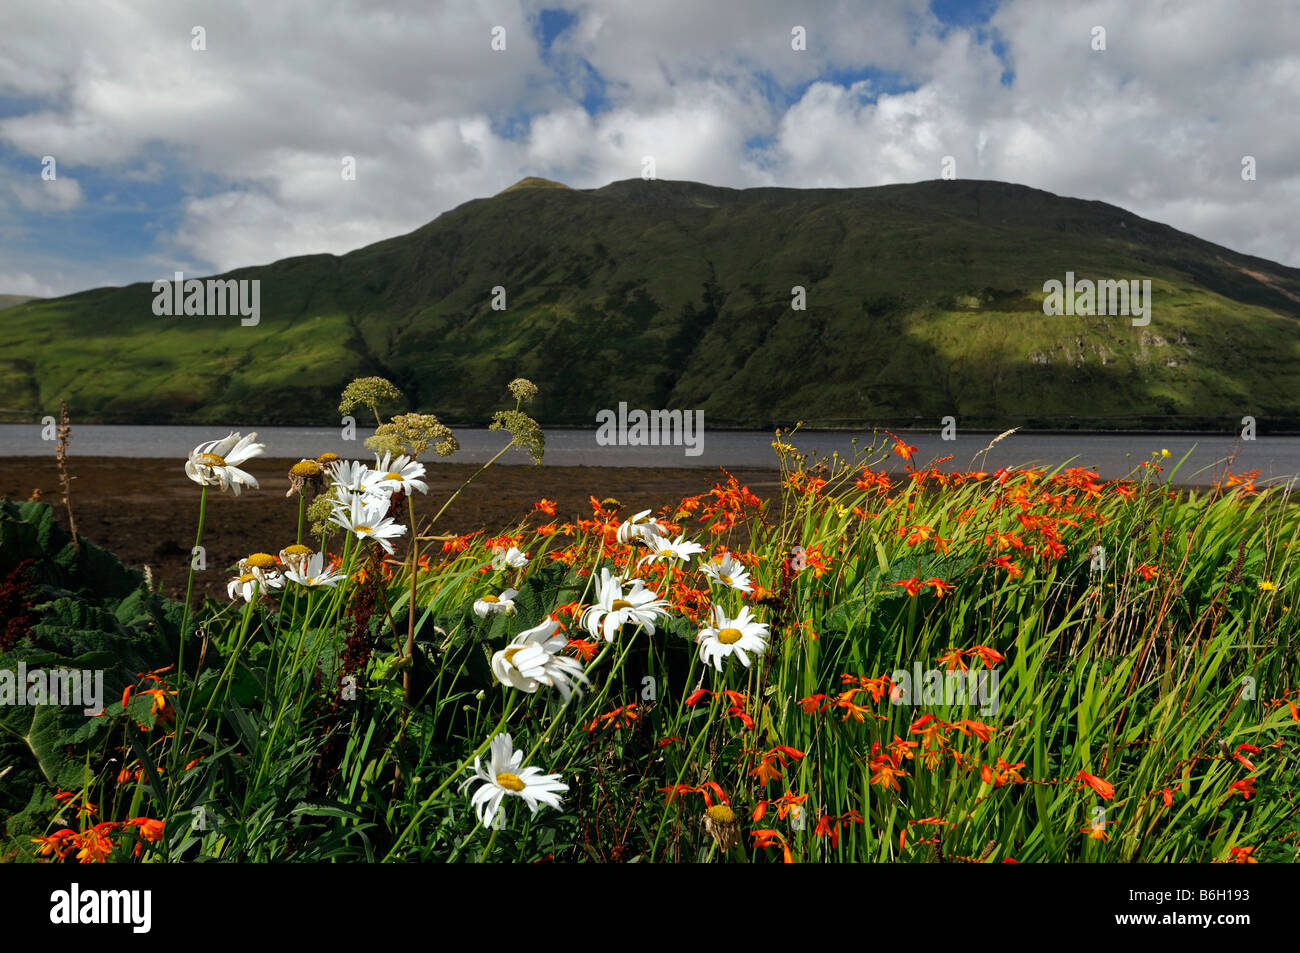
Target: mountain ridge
678	294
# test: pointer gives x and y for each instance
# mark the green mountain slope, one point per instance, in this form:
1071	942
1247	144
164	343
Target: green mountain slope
923	300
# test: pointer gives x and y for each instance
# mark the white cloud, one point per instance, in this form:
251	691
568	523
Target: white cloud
254	128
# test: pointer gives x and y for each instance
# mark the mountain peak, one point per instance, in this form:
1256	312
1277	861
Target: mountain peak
533	182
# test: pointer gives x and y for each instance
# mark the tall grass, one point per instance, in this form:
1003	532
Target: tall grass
1142	640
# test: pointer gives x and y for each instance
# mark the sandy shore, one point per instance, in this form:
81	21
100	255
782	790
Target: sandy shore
146	510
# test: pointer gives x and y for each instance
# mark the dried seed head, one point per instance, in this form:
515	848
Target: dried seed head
527	433
368	392
413	434
720	823
522	389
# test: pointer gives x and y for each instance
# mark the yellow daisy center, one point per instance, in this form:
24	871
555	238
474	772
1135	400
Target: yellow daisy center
726	580
296	549
618	604
509	781
210	460
305	468
729	636
260	561
327	458
363	530
722	814
490	598
510	654
246	578
668	552
393	475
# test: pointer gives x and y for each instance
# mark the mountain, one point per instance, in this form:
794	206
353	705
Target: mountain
8	301
923	300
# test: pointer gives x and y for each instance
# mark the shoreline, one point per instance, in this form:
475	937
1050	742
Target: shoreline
147	514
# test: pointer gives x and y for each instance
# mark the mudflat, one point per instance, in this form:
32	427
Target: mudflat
146	510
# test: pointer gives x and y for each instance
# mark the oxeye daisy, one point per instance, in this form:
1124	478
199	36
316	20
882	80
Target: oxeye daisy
533	658
640	526
662	549
491	604
353	479
403	473
506	776
259	564
740	637
311	572
216	463
294	554
305	473
726	571
366	518
511	558
250	585
614	606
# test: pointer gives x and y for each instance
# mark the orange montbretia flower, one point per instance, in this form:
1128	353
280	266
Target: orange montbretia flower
56	843
620	717
1148	571
766	837
1249	749
1105	790
584	648
912	586
976	728
96	843
954	659
900	448
1002	562
941	588
1244	787
885	771
990	657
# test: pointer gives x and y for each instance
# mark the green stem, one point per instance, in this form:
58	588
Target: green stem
505	715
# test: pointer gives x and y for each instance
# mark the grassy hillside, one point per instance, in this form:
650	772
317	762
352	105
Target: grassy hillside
923	300
8	301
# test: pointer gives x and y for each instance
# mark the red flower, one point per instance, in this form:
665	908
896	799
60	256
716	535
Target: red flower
1244	787
1105	790
1249	749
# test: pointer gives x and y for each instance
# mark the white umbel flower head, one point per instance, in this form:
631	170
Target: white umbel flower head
216	463
533	658
311	572
741	637
366	518
641	527
725	571
511	558
404	473
614	606
490	604
506	776
663	549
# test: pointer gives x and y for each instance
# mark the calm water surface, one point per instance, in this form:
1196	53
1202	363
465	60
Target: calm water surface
1112	455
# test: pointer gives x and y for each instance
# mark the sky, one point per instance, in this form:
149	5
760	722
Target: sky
201	137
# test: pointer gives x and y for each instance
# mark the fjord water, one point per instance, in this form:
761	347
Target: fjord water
1112	455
